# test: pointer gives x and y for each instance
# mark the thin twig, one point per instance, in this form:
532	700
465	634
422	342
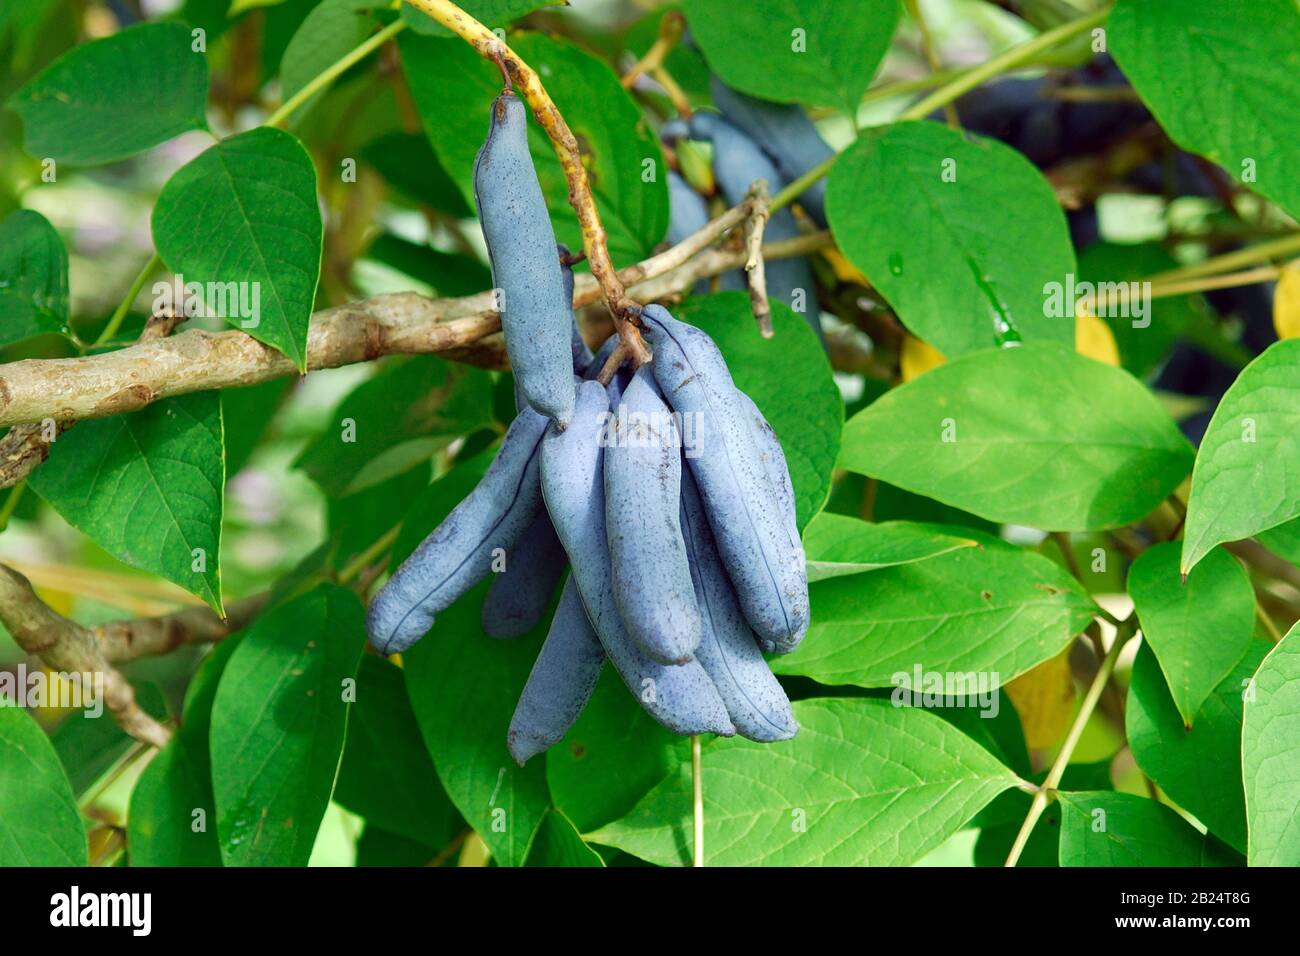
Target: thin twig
754	269
64	645
491	47
963	82
1047	790
328	75
671	27
931	56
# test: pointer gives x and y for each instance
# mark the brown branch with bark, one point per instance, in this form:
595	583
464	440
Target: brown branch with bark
66	390
66	646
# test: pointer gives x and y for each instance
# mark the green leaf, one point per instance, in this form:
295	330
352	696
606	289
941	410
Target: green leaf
408	163
558	844
1198	629
1033	435
355	522
995	609
1001	820
386	776
278	726
172	818
379	848
33	278
1101	828
245	212
396	419
1200	768
1142	347
819	52
838	545
147	488
789	379
88	744
1253	441
463	686
611	758
1223	78
863	783
114	97
616	142
1284	540
491	13
327	34
437	502
245	414
970	269
39	821
1270	756
443	273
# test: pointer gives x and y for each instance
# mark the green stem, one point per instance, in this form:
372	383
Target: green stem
964	82
1262	252
115	323
1045	793
327	76
1007	60
697	801
7	511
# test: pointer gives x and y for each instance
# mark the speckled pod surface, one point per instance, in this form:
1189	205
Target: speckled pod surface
536	316
762	555
561	681
458	553
728	649
643	474
681	697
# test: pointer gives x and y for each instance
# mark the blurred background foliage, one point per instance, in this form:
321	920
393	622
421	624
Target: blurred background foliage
404	225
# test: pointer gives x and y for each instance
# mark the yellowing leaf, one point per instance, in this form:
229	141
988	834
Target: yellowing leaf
1044	698
918	356
1286	303
1094	339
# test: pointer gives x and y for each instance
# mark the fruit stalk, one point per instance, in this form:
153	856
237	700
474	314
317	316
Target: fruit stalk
491	47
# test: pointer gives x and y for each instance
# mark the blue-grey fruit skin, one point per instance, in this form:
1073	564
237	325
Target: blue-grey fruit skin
728	649
786	134
578	345
520	595
601	357
773	457
458	553
681	697
687	211
643	477
536	317
737	162
561	681
762	553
